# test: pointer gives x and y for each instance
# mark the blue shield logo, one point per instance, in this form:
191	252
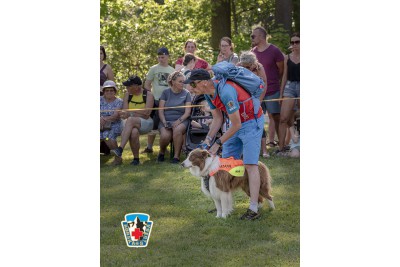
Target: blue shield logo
137	229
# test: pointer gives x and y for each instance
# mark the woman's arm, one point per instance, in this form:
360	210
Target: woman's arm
284	77
110	74
161	104
184	116
114	116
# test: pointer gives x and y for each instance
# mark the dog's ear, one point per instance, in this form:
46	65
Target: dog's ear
205	154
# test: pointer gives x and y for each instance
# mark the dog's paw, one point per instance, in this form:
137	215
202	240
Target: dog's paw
271	205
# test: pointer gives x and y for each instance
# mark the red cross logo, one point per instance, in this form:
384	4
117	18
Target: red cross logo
137	233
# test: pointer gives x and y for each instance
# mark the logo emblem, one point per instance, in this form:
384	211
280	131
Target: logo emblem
137	229
230	105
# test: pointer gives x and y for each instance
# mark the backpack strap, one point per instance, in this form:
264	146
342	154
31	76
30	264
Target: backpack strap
105	65
236	86
144	94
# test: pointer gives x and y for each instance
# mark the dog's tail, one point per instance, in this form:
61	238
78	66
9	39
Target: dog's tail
266	180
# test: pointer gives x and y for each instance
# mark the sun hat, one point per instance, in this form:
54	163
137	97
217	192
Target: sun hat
109	84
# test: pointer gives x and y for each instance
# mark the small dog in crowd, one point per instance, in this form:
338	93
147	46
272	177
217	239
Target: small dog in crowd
221	183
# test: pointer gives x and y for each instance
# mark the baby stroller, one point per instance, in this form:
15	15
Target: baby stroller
196	136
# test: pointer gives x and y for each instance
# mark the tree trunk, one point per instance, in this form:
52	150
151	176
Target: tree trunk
283	14
234	17
296	15
220	21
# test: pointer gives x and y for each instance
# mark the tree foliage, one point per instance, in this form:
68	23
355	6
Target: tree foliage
132	30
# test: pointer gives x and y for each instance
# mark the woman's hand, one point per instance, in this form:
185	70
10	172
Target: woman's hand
220	57
123	114
176	123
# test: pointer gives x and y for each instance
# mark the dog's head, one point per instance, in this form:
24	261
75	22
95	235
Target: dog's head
197	162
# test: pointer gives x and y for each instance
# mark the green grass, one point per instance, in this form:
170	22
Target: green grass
184	234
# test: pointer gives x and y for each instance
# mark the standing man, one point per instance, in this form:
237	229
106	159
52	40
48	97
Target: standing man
272	60
156	82
244	134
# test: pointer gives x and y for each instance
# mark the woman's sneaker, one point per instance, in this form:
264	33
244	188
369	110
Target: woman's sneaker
117	152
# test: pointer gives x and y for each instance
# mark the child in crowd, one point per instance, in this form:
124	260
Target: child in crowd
189	61
204	111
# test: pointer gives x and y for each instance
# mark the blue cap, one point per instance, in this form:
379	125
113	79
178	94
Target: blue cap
162	51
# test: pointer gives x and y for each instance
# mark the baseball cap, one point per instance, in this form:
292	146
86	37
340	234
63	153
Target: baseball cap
198	74
133	80
162	51
109	84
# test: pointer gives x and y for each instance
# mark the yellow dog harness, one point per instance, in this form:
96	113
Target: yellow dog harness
234	166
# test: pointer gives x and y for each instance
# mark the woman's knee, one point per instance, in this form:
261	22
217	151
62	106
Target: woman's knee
165	135
132	121
135	133
177	133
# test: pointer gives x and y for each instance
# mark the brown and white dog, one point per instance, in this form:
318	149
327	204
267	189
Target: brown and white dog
222	183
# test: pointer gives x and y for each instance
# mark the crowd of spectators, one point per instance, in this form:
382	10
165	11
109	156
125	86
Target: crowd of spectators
164	88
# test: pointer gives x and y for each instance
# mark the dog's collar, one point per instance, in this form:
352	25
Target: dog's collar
206	180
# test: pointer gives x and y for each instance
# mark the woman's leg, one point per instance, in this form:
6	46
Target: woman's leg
130	124
112	144
177	137
134	142
165	138
271	128
285	119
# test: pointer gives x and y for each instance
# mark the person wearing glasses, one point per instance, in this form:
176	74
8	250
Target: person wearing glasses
244	134
272	59
173	121
290	88
191	47
110	122
226	51
138	122
249	61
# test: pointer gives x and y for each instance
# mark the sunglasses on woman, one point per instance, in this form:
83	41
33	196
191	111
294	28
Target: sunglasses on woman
294	42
